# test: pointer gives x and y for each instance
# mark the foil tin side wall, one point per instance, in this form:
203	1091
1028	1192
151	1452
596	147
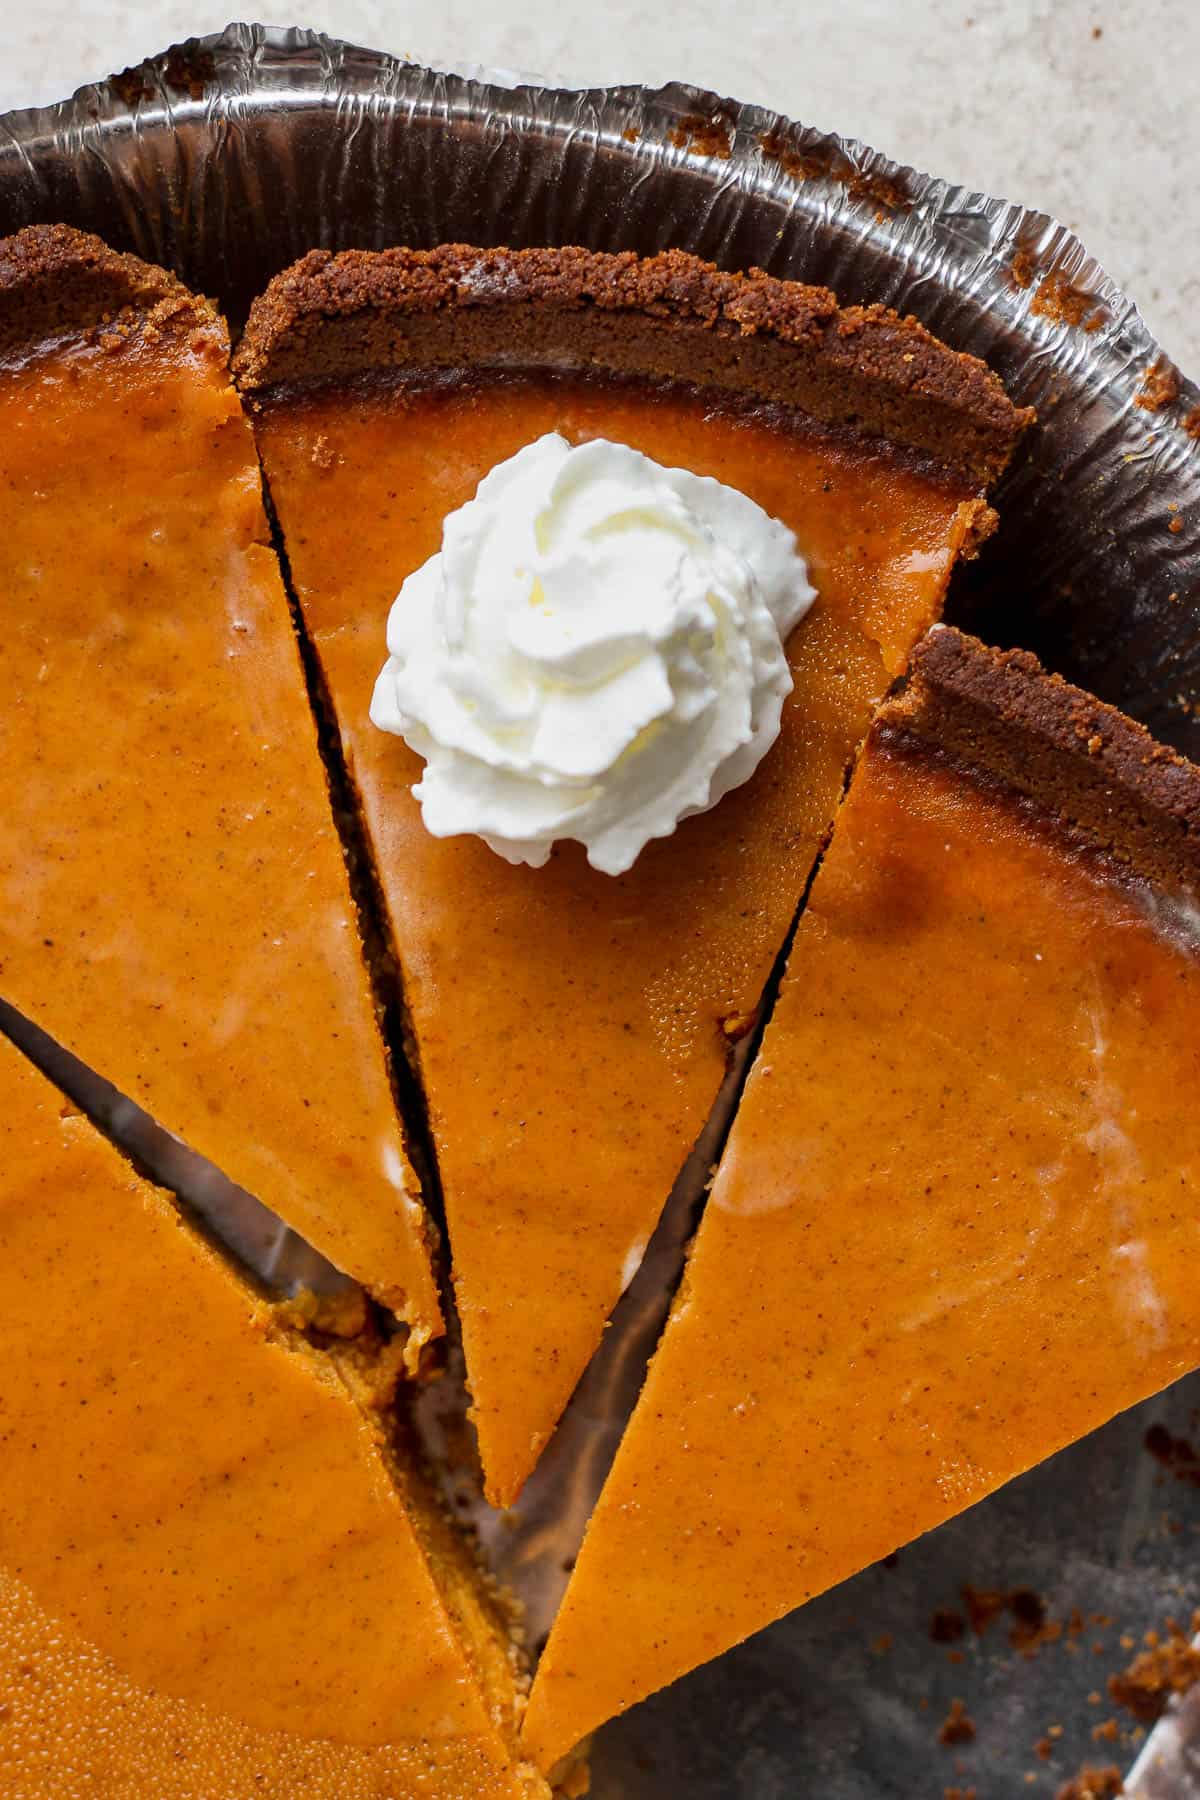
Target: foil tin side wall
230	157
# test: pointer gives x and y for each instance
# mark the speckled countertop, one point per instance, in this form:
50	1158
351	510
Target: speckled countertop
1083	108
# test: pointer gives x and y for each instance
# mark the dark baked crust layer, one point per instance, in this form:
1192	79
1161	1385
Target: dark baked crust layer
56	281
999	714
669	316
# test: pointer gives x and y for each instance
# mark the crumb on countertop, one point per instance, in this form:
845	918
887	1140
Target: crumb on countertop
1093	1784
1171	1665
957	1727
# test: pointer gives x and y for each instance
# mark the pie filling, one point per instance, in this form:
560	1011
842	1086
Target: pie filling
953	1218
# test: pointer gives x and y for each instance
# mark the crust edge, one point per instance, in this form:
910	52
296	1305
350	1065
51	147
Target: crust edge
56	281
1001	715
330	317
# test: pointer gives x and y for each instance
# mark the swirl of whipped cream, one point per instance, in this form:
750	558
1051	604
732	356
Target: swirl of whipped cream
595	652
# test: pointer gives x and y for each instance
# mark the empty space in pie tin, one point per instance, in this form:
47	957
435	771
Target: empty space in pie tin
230	157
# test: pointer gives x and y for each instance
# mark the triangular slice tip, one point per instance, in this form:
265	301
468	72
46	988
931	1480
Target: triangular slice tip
573	1029
177	911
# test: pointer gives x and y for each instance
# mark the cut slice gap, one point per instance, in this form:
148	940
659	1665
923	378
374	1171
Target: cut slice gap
384	969
260	1245
533	1545
259	1513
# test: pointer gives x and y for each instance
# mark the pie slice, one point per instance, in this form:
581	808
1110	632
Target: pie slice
955	1221
219	1572
174	906
572	1029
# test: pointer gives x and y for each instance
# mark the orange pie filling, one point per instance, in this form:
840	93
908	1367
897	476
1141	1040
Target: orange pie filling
955	1220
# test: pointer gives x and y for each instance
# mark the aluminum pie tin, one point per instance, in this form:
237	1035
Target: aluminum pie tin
230	156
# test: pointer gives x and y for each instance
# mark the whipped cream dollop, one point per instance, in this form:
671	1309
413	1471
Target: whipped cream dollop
595	652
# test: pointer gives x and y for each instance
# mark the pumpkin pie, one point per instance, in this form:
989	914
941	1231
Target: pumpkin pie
954	1227
572	1029
176	909
219	1570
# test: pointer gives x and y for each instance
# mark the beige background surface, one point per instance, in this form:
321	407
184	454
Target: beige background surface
1084	108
